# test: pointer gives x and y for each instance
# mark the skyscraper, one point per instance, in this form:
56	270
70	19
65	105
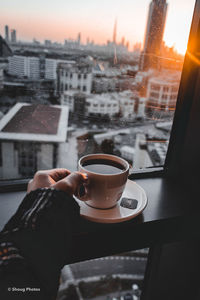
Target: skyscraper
13	36
7	33
115	32
154	34
79	38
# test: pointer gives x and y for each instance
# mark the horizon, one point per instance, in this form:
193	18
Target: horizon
34	20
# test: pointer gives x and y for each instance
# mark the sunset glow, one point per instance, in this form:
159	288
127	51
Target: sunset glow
60	20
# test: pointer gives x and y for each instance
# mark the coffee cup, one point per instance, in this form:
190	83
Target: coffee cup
107	176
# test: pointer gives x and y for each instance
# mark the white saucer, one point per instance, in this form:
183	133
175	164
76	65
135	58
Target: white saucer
118	213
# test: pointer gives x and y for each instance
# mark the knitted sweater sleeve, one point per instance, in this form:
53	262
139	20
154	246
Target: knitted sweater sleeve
36	243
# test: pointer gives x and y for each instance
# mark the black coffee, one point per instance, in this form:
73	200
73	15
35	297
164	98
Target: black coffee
103	166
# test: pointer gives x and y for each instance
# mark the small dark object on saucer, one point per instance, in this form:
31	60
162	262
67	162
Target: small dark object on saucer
129	203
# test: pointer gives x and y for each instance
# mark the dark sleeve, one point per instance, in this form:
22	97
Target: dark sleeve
36	243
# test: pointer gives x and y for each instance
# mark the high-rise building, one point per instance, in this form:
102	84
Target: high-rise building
47	43
24	66
7	33
115	32
13	36
79	38
154	34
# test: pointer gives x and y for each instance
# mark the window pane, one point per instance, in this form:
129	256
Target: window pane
103	78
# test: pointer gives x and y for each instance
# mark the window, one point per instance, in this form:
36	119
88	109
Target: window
155	87
154	95
165	89
174	89
151	74
164	96
27	157
173	97
149	113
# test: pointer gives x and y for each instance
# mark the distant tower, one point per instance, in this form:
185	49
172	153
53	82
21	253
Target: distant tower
79	38
13	36
7	33
115	32
154	34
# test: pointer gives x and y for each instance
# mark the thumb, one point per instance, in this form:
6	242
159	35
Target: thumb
71	183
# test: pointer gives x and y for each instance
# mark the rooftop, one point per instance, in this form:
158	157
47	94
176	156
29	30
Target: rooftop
35	123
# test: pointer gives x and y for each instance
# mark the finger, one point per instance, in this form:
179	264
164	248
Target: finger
76	179
59	173
29	187
56	174
71	183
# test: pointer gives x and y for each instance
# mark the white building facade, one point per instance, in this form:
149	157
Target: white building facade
24	66
162	92
76	76
102	105
128	104
51	65
34	67
67	98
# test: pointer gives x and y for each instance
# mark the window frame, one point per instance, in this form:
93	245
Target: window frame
189	89
188	101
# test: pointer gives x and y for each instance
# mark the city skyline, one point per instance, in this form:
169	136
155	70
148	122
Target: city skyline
35	19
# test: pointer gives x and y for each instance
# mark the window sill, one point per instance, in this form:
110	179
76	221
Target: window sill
172	214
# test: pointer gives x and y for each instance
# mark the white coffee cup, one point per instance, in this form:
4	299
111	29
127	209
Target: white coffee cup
107	177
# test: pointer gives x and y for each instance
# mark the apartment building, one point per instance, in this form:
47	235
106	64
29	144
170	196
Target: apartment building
76	76
24	66
162	91
103	104
30	136
34	67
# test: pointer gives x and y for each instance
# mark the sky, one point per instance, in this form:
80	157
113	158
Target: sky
58	20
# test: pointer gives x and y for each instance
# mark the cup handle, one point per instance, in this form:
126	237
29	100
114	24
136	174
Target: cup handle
83	193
